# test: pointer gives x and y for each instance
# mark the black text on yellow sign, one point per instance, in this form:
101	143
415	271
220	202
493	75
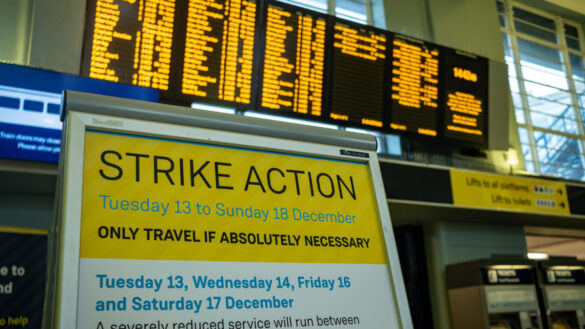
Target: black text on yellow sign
202	173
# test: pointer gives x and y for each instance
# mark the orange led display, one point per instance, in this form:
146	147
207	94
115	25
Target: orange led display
294	56
359	55
415	74
464	74
465	110
415	86
219	50
132	41
465	94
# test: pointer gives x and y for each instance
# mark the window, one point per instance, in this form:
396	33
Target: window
353	10
546	72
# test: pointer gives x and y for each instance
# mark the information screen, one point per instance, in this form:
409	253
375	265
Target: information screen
215	51
30	108
465	96
190	50
286	60
294	60
131	42
357	84
415	86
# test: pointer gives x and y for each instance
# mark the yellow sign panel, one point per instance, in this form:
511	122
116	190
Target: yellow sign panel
149	198
475	189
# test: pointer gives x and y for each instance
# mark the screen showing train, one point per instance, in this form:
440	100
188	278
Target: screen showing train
278	58
294	60
357	84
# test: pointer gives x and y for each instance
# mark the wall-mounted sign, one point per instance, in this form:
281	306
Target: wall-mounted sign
483	190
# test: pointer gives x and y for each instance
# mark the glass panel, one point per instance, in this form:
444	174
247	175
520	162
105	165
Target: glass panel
577	66
576	174
541	153
557	144
500	6
538	73
507	52
530	167
549	107
552	170
351	9
536	32
513	82
567	173
534	19
511	67
550	100
548	54
546	92
573	43
506	40
526	152
542	64
582	104
580	90
523	136
393	146
520	116
579	87
502	20
517	99
553	123
571	31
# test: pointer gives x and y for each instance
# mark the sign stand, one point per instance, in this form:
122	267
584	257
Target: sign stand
168	217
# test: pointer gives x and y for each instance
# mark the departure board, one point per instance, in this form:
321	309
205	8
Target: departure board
278	58
131	42
218	50
294	60
415	86
465	96
190	50
357	84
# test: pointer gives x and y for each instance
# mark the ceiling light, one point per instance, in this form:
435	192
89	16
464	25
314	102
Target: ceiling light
537	255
